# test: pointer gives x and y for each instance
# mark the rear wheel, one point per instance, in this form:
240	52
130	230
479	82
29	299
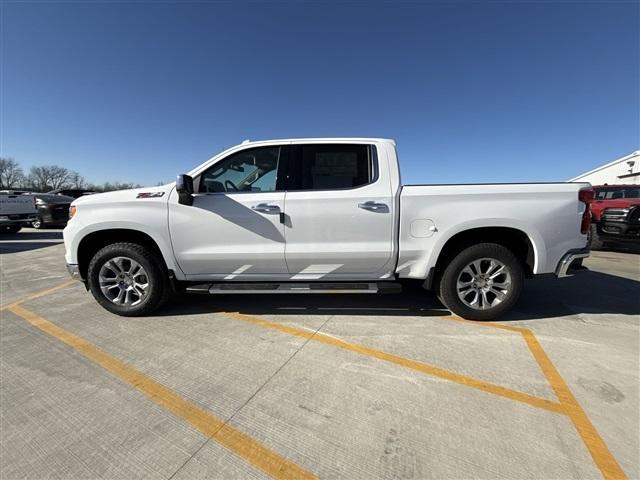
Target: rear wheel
127	279
482	282
37	223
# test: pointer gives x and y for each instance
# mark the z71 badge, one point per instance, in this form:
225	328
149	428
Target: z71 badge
150	194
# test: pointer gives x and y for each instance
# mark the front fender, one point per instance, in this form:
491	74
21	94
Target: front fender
150	219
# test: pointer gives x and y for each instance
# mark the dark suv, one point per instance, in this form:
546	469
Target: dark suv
53	210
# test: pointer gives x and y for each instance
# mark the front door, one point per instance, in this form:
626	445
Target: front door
339	214
233	230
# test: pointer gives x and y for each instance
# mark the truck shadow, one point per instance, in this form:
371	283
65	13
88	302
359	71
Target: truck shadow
32	235
24	241
622	248
589	293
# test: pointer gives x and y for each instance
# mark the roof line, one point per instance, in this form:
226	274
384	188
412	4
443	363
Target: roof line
619	160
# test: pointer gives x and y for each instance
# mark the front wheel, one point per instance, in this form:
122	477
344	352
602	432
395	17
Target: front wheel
127	279
482	282
594	241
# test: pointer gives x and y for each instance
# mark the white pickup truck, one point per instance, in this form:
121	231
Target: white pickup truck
323	215
16	211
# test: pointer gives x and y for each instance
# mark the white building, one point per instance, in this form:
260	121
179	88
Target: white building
625	170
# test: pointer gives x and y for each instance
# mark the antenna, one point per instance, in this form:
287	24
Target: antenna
245	141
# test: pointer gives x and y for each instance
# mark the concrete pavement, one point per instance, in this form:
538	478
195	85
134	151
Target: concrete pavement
337	386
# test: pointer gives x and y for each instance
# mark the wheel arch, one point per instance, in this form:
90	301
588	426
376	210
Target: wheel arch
516	240
94	241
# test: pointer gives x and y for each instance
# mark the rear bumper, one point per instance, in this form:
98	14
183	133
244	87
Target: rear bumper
23	219
49	217
571	262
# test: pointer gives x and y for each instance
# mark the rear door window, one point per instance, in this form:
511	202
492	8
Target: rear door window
331	167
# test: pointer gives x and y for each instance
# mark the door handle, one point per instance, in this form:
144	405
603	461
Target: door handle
374	206
266	208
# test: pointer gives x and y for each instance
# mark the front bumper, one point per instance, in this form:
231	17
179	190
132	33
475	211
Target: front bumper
619	231
571	262
74	272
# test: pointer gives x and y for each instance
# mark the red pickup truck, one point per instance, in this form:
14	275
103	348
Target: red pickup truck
615	215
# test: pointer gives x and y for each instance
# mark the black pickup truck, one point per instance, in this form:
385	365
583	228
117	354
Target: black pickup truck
620	224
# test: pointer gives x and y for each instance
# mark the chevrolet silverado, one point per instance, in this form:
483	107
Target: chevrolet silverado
323	216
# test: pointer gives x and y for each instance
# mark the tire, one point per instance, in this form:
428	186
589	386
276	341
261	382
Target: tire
488	305
10	228
115	259
595	243
37	223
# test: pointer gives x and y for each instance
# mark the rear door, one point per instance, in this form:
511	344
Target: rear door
338	213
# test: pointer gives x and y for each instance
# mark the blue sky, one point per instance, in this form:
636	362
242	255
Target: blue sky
472	91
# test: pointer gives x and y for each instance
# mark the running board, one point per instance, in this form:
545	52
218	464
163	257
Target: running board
295	287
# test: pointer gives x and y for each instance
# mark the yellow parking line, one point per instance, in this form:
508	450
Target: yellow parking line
568	405
239	443
282	468
405	362
499	326
39	294
602	456
598	449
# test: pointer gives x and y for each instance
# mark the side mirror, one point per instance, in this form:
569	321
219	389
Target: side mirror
184	187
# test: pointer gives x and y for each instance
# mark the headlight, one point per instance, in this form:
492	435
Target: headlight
39	201
72	211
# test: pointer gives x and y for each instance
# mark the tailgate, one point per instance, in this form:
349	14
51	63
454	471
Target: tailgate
17	205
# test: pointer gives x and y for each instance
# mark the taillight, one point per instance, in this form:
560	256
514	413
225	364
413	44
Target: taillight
586	196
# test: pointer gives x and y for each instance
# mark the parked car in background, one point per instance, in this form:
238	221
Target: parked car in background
616	202
72	192
14	192
323	215
619	225
53	210
16	211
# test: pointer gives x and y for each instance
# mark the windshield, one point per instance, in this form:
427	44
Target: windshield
617	193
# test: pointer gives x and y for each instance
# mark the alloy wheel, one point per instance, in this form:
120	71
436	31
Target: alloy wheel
483	283
123	281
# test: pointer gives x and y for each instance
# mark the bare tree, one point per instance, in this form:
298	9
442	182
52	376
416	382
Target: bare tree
76	180
110	187
49	177
10	173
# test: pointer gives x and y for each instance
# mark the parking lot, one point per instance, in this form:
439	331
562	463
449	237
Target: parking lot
349	386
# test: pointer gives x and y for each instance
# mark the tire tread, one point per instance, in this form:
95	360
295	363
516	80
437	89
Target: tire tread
447	285
159	292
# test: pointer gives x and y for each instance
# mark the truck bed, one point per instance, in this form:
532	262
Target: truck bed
548	213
